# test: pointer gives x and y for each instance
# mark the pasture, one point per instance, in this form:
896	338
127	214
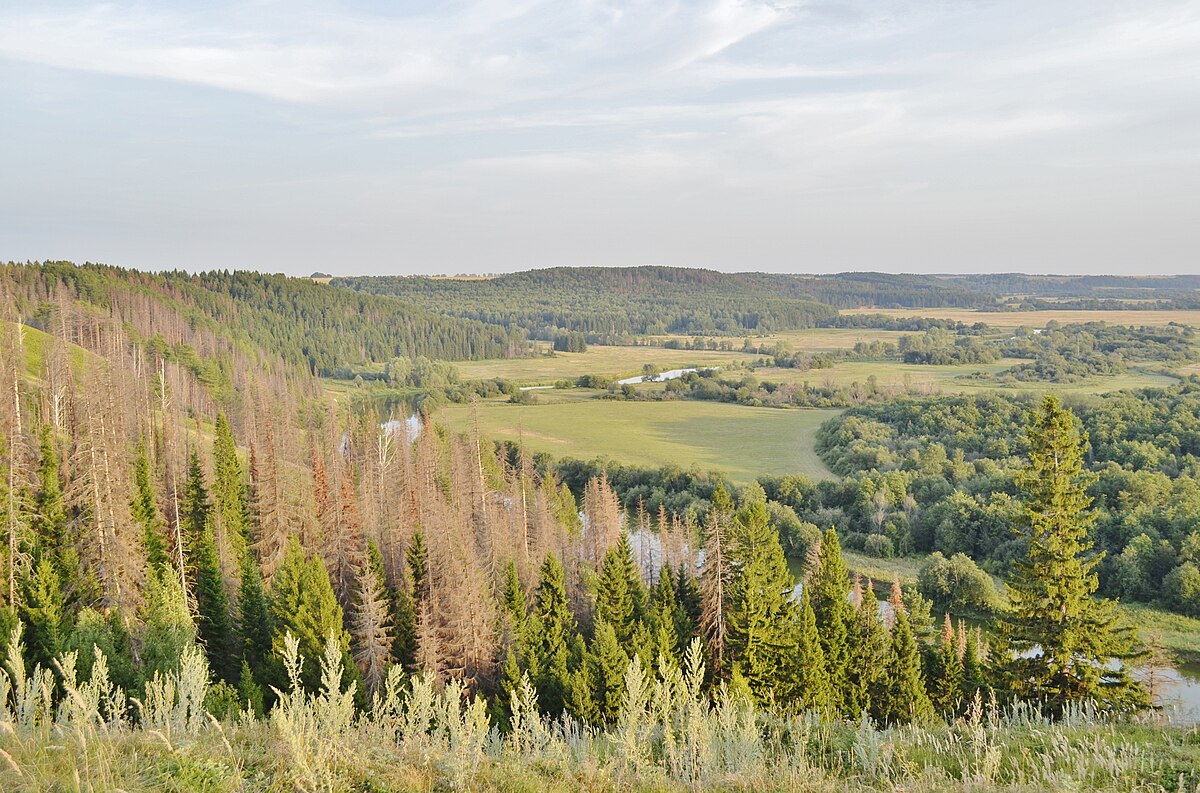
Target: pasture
1038	319
954	379
741	442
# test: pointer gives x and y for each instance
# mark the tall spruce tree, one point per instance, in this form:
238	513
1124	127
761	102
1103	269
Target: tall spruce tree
830	585
762	615
170	628
902	696
620	596
144	510
1062	640
212	605
303	604
812	690
554	643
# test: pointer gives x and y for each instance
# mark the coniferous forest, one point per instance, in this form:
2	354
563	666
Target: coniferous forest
220	574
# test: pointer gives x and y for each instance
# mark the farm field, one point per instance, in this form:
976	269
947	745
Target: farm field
740	441
1038	319
609	361
951	379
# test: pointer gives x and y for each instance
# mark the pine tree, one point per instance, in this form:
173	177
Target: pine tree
1051	588
761	613
830	585
145	512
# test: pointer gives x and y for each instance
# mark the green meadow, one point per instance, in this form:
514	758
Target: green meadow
742	442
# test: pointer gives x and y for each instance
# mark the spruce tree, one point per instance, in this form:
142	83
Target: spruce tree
194	506
812	690
144	510
417	557
303	603
212	606
830	585
902	693
169	625
620	597
762	614
255	625
946	674
229	491
611	662
48	518
869	651
41	608
552	637
1063	641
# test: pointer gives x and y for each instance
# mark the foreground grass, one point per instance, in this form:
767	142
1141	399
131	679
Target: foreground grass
260	756
742	442
60	733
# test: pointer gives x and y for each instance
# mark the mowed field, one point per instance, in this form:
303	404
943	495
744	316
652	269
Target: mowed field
1038	319
610	361
742	442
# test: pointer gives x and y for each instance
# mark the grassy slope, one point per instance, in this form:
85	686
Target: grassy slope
743	442
36	345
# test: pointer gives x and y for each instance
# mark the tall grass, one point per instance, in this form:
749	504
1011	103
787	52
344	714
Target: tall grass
59	733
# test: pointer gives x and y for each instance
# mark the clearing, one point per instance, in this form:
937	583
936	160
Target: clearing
741	442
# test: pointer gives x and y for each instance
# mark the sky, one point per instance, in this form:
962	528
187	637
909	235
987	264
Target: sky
496	135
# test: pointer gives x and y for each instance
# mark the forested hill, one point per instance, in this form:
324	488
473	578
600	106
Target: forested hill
616	301
611	301
303	323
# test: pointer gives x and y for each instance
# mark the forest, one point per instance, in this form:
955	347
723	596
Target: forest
223	572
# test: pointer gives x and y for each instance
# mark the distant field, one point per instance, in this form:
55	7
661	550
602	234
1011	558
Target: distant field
1038	319
610	361
741	441
951	379
815	339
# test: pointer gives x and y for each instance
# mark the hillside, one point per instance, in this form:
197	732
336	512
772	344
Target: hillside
268	317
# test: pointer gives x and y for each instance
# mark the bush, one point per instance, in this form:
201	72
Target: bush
956	584
879	546
1181	589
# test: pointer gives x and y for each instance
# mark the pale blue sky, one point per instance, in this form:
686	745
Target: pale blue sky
495	135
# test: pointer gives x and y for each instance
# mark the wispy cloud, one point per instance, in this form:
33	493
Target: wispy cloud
748	112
